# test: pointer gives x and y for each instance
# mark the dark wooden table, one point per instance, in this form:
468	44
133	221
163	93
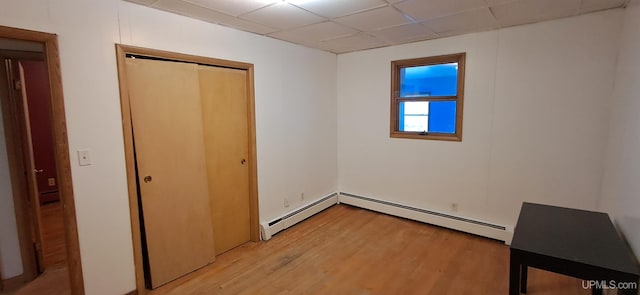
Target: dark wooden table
577	243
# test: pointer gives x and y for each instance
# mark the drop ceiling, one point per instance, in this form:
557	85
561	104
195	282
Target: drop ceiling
341	26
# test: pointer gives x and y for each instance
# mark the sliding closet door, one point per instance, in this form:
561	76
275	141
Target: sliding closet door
171	168
225	114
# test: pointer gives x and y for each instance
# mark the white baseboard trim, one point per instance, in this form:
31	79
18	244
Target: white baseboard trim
459	223
270	228
472	226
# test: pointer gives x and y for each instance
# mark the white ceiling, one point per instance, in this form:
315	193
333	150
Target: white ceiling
14	44
341	26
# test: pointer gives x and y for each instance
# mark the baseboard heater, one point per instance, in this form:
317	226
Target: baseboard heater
481	228
270	228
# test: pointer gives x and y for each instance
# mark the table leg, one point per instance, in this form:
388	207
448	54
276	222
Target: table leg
523	278
514	274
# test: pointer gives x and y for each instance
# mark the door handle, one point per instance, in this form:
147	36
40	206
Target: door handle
38	170
147	179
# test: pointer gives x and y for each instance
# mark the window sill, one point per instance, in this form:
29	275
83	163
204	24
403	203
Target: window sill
432	136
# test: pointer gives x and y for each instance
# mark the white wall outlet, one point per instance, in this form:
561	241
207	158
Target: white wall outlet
454	207
51	181
84	157
301	196
286	203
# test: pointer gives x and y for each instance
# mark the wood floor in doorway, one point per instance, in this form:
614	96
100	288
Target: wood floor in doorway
55	279
347	250
53	243
52	281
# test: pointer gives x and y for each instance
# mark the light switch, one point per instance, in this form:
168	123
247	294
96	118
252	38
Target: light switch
84	157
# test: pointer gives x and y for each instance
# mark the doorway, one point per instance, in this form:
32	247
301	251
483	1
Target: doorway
39	172
159	129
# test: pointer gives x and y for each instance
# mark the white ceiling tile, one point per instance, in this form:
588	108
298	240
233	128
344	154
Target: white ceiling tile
559	8
374	19
468	21
596	5
404	33
352	43
333	9
282	16
529	11
425	9
387	22
515	13
193	11
232	7
315	33
248	26
143	2
556	14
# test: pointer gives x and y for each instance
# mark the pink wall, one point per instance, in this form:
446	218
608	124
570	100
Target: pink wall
38	99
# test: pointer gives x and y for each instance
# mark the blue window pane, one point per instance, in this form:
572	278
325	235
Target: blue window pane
427	116
442	117
432	80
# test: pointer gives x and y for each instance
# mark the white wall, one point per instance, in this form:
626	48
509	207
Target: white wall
621	189
534	121
295	112
533	129
10	256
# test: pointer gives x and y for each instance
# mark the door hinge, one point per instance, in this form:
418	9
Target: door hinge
36	246
17	85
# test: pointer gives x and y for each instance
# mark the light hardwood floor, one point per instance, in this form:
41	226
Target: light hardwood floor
346	250
55	279
53	243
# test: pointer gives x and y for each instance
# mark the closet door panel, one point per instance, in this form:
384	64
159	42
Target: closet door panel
167	125
225	116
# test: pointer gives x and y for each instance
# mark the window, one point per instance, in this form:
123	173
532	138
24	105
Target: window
427	97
